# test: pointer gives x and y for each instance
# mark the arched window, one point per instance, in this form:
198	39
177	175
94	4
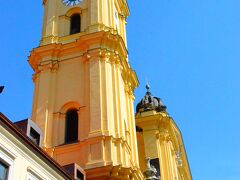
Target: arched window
71	128
75	26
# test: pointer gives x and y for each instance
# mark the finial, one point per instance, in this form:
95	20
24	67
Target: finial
148	87
1	89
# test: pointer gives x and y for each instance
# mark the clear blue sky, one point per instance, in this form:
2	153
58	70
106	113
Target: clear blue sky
189	50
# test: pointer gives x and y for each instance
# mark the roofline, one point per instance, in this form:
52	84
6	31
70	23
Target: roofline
16	132
17	121
184	148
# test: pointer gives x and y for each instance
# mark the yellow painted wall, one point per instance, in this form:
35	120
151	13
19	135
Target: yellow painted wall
88	71
96	16
162	139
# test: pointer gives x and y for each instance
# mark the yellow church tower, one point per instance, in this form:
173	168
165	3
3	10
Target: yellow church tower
83	88
159	142
83	97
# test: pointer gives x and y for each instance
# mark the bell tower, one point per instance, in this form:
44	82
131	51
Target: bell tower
95	16
83	87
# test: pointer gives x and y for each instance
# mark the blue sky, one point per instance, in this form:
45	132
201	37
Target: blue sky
189	50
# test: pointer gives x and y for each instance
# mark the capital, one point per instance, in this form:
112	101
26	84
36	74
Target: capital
163	135
35	76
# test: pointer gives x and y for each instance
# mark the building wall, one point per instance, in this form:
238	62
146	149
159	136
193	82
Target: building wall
88	71
96	16
23	163
162	139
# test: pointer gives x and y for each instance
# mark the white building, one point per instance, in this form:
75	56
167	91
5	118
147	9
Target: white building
21	158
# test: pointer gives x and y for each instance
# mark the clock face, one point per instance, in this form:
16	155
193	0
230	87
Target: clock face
71	2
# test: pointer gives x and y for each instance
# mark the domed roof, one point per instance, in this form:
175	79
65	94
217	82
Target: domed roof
150	102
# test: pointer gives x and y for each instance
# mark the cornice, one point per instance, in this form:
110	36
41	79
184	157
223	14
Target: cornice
101	44
115	172
86	43
75	146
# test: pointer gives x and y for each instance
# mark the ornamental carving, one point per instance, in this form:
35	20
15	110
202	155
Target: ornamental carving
48	65
151	172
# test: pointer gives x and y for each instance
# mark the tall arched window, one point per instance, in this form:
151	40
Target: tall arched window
75	26
71	128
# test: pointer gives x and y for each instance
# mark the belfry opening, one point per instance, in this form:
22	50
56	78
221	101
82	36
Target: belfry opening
75	24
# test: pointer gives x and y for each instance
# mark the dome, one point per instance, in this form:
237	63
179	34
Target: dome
150	102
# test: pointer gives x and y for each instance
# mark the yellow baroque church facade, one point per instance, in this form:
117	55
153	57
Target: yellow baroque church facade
84	95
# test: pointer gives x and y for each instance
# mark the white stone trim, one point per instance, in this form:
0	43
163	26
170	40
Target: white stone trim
8	158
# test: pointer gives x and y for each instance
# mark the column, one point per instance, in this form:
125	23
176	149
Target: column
115	97
163	155
95	95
